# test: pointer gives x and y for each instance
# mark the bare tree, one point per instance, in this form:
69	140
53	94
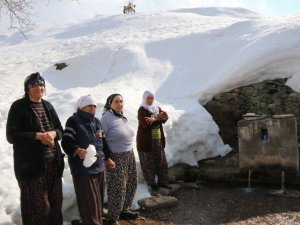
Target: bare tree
18	12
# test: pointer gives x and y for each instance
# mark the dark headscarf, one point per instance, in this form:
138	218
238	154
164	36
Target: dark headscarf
107	105
34	78
109	100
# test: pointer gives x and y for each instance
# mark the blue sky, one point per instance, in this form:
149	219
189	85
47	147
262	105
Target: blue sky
57	10
273	7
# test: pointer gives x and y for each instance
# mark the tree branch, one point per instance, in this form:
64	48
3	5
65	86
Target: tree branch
18	12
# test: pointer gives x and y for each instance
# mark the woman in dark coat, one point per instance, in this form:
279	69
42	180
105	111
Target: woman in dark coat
151	143
34	129
84	142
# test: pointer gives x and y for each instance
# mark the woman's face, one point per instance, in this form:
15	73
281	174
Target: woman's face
90	109
117	103
36	92
149	100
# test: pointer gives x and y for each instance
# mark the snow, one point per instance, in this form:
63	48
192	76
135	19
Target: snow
221	11
185	57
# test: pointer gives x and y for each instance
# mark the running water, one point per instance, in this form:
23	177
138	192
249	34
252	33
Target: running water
249	179
280	192
282	181
248	189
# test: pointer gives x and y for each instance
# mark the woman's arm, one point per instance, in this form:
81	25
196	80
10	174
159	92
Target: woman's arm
163	116
68	140
143	117
14	127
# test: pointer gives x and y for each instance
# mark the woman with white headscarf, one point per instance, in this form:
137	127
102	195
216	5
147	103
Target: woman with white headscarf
88	154
151	143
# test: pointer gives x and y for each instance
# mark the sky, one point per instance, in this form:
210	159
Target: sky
265	7
57	10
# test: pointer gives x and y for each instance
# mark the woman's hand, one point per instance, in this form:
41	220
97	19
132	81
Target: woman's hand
80	152
47	138
150	120
110	164
163	116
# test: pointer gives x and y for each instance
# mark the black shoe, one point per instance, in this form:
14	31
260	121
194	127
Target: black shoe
165	186
129	215
113	222
77	222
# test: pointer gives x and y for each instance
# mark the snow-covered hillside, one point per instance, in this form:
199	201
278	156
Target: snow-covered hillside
185	57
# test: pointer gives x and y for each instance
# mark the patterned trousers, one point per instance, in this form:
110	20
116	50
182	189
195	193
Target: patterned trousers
89	194
41	198
154	163
121	184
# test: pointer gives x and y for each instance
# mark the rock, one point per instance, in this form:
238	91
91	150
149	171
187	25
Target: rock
221	109
158	202
220	174
230	160
191	185
60	66
286	193
292	194
178	172
166	191
211	160
265	98
192	174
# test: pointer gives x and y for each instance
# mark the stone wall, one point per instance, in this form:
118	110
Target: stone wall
270	97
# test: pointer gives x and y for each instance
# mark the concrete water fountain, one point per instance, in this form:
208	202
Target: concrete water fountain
268	143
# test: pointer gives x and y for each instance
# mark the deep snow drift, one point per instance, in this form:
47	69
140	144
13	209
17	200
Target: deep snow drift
185	57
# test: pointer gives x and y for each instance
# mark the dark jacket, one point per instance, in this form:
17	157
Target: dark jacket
144	132
84	129
21	129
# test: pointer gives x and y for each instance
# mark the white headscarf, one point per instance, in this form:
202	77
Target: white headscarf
86	100
152	108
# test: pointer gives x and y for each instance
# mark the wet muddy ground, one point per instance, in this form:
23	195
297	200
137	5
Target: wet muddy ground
226	203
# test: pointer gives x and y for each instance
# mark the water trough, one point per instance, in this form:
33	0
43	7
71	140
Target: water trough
268	143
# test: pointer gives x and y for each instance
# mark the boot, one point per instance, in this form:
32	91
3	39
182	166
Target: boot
76	222
129	215
113	222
